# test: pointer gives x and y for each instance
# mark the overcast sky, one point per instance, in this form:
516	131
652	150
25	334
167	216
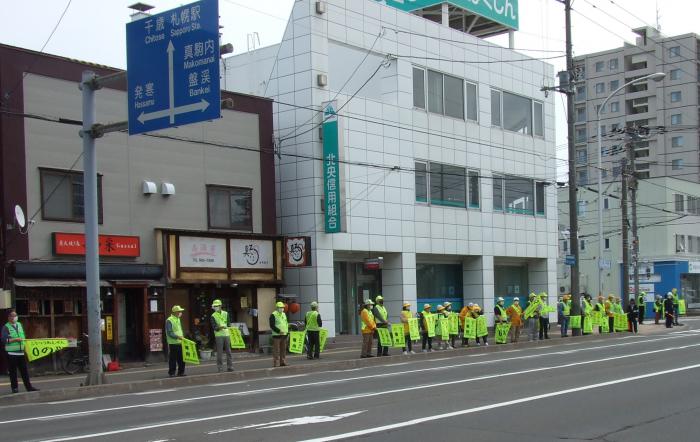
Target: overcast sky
94	30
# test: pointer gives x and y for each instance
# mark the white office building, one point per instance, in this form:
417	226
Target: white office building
441	187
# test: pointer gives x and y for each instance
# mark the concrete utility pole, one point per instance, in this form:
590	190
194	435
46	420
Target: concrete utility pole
625	237
632	183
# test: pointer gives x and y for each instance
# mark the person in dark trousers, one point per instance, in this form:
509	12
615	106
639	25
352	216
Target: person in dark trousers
381	318
13	339
632	315
668	310
642	306
174	336
658	309
424	324
313	331
543	318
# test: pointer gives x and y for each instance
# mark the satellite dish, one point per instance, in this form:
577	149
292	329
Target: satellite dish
19	217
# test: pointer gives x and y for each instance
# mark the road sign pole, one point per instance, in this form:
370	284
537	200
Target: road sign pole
92	260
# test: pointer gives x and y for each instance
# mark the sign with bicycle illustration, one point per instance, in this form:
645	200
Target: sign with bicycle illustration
251	254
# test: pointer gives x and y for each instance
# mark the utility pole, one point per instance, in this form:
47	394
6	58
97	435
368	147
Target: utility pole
633	198
625	237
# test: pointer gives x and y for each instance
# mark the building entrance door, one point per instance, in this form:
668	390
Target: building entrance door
353	284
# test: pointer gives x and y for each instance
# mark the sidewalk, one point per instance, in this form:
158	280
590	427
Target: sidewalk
342	353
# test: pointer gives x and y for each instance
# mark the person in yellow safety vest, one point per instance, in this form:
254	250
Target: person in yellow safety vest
618	305
476	312
440	344
606	309
13	338
280	329
515	315
368	328
586	311
424	325
405	315
449	313
222	335
499	313
174	336
533	321
463	314
313	331
563	313
641	305
544	317
676	305
658	309
381	318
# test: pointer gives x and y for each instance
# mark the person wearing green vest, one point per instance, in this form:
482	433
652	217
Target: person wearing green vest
405	316
586	312
499	314
313	331
368	328
13	339
674	292
658	309
449	313
280	330
425	323
381	318
544	316
174	336
222	335
641	306
563	313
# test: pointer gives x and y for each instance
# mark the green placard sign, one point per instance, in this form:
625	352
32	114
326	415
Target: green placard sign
296	341
502	330
384	337
413	329
504	12
397	335
331	169
322	336
469	328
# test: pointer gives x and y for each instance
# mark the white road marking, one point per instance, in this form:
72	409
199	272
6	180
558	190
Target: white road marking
364	396
337	381
418	421
85	399
144	393
290	422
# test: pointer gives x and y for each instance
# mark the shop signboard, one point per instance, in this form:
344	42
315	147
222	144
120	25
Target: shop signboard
248	254
202	252
504	12
109	245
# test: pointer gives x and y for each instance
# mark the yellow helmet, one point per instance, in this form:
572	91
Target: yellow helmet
279	304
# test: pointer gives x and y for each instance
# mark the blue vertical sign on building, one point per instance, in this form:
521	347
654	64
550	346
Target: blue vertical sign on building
331	168
173	67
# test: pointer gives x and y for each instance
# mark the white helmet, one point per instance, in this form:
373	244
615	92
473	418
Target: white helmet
500	299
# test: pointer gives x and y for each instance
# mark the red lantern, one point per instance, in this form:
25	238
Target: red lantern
294	307
286	307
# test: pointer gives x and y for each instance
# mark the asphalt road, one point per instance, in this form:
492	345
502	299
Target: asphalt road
641	388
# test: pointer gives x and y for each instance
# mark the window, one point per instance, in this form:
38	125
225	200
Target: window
539	198
607	243
447	185
677	164
582	177
538	118
583	245
613	64
581	114
616	171
581	135
614	84
599	66
603	129
581	209
497	192
679	199
454	97
614	127
473	189
693	205
435	103
580	93
599	88
472	96
495	108
444	281
519	196
606	203
599	110
676	119
615	106
418	88
677	141
680	243
62	195
581	156
674	51
604	173
230	208
565	245
676	96
675	74
421	182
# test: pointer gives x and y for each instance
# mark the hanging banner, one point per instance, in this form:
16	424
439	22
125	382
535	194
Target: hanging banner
502	330
384	336
189	352
469	328
481	329
397	335
38	348
444	328
322	336
430	325
296	341
236	338
454	323
413	329
575	321
331	169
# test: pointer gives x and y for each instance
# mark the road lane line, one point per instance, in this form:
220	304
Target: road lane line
362	396
418	421
337	381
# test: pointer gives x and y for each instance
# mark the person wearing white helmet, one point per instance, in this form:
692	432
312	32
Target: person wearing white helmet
466	312
515	315
222	336
668	310
499	311
426	322
449	314
313	331
381	318
368	328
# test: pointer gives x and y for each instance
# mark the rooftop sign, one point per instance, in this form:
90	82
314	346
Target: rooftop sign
504	12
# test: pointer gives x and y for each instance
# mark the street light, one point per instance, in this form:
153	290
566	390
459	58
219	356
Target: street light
657	76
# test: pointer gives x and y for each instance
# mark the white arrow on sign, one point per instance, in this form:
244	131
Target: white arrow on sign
290	422
171	111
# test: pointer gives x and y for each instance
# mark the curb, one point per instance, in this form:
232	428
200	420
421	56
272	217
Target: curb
62	394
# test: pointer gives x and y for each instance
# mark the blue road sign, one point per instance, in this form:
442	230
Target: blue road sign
173	67
570	260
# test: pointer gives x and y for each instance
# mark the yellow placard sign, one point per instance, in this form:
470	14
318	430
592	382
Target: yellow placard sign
322	336
38	348
189	352
413	329
296	341
236	338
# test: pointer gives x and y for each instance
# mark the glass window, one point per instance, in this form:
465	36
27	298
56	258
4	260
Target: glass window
565	245
419	88
540	201
538	118
606	203
581	208
613	64
607	243
582	177
447	185
421	182
680	243
614	84
473	189
497	192
442	281
580	92
677	164
615	106
62	195
677	141
675	74
603	129
676	97
599	66
676	119
674	51
472	98
581	135
454	97
435	101
495	108
679	199
519	196
517	113
599	88
581	156
614	127
583	245
230	208
581	114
